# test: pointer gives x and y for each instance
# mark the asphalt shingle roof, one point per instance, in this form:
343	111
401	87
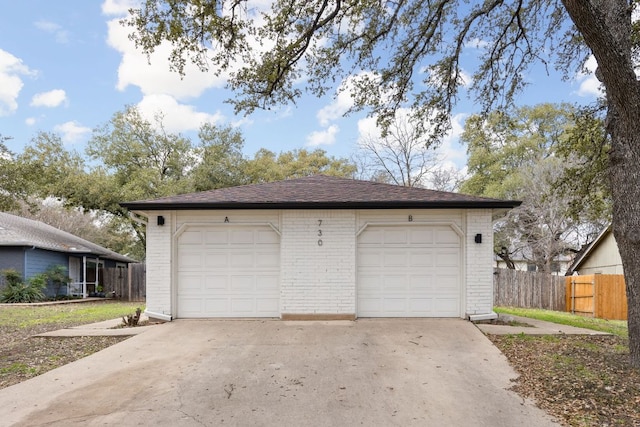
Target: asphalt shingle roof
18	231
319	192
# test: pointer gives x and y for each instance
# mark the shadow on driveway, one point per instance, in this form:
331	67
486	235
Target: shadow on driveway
378	372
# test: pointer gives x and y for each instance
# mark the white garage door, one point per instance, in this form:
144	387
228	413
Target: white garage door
230	271
409	271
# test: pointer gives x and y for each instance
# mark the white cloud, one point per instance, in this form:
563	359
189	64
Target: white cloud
53	98
11	70
118	7
451	149
30	121
340	105
156	77
343	100
589	84
71	132
242	121
324	137
176	117
476	43
61	35
466	78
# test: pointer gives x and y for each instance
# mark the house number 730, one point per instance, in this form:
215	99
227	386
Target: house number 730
319	232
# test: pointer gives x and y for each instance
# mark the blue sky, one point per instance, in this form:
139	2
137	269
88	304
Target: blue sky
67	67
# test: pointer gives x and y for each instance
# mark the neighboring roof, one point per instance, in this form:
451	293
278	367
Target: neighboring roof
320	192
525	254
18	231
584	254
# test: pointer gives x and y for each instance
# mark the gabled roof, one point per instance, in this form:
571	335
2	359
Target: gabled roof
584	254
18	231
320	192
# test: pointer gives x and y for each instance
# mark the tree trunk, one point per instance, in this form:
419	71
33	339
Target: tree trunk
625	181
606	28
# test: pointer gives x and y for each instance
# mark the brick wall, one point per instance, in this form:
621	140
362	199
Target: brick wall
159	254
318	279
318	262
479	262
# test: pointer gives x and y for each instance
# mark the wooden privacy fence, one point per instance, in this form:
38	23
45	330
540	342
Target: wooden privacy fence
597	295
129	284
528	289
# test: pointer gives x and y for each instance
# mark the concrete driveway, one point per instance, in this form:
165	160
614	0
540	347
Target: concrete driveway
272	373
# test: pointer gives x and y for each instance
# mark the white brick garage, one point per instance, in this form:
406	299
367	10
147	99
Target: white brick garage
319	248
227	271
409	271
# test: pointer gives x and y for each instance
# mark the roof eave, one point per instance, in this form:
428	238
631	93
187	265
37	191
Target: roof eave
117	257
489	204
577	263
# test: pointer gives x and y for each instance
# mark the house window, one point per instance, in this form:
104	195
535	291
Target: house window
555	267
532	267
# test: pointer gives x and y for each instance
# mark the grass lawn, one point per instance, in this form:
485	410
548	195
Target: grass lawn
23	356
582	380
64	315
615	327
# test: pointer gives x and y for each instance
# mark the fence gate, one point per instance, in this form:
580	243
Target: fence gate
583	293
597	295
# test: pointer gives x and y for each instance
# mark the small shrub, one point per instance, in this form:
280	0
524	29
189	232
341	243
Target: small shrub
57	276
17	290
132	319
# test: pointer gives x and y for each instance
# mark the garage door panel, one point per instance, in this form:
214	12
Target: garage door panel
447	258
242	283
421	306
267	285
213	260
446	236
216	283
268	259
446	307
191	305
241	237
395	259
265	306
396	306
411	271
241	260
370	258
420	284
214	306
228	272
266	237
393	283
447	282
372	236
190	259
395	236
419	259
243	306
368	306
191	237
369	281
421	236
191	281
216	237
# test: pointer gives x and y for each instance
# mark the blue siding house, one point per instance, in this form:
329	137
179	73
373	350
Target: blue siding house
31	247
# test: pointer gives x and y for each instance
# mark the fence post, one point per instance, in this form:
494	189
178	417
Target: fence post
129	274
573	295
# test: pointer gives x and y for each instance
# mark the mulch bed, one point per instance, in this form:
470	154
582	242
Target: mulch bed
581	380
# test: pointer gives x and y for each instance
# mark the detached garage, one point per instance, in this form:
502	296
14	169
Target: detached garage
319	248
